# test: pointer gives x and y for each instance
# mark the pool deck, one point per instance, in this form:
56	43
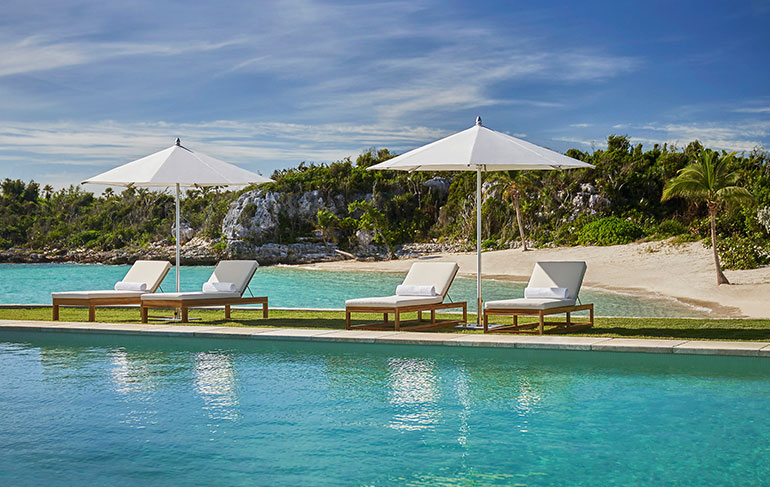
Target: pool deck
563	342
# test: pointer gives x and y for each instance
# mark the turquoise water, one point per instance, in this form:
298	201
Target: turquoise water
300	288
121	410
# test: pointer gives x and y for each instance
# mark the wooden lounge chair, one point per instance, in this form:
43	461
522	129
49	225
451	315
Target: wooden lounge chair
147	272
237	272
422	275
558	277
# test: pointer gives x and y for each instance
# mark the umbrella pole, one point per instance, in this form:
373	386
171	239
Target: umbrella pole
478	245
178	263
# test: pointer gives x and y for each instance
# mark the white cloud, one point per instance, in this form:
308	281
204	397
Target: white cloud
259	146
738	136
734	136
34	54
753	110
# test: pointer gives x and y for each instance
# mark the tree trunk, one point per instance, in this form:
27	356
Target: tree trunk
518	222
721	279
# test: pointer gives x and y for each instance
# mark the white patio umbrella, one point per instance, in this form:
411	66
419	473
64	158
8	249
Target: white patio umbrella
177	166
481	150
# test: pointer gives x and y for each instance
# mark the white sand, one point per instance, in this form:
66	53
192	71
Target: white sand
685	272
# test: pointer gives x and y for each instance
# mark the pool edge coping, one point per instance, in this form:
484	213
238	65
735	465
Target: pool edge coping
560	342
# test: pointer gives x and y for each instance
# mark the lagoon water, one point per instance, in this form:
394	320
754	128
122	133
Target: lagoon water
87	409
293	287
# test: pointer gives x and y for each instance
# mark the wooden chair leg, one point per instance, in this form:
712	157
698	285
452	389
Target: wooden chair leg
184	314
486	323
144	314
433	316
591	315
55	316
347	319
541	328
465	313
264	310
419	316
515	320
91	313
385	318
569	321
227	311
398	320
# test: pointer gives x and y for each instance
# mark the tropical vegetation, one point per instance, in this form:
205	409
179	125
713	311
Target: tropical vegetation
618	201
710	180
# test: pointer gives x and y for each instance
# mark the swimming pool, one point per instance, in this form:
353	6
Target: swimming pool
292	287
125	410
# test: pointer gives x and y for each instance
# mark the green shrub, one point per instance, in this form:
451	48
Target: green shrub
670	228
248	212
741	253
609	231
491	244
83	238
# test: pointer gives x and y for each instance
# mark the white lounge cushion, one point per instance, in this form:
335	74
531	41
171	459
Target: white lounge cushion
219	287
104	293
437	274
150	272
130	286
188	296
147	272
239	272
524	303
407	290
545	292
393	301
559	274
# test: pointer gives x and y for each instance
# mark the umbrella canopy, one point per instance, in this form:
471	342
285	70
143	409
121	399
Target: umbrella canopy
177	166
481	150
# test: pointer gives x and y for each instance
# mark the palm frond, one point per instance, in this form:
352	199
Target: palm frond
709	178
735	195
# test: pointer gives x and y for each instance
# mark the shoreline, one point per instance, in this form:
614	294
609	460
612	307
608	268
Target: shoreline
657	270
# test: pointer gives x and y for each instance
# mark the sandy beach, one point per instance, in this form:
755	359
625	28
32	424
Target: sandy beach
685	272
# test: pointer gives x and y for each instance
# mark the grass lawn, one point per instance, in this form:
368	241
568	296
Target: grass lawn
677	328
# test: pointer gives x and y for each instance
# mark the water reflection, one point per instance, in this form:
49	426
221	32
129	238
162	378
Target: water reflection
414	392
129	374
463	395
215	382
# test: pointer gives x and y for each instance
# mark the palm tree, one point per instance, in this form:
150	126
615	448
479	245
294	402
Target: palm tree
709	180
323	224
515	183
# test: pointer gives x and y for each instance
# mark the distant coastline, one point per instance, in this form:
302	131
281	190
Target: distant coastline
204	252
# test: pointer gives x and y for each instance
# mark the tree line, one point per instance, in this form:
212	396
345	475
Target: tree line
620	200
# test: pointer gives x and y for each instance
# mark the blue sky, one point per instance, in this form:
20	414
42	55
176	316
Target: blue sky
88	85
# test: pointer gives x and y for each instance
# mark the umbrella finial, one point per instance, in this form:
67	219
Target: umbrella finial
478	121
178	142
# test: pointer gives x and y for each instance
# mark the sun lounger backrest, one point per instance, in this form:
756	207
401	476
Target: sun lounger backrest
559	274
239	272
437	274
150	272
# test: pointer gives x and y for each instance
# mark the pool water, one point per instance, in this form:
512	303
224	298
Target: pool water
120	410
292	287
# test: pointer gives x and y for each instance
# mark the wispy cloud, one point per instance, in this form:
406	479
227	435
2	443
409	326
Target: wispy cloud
35	54
741	136
752	110
259	146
